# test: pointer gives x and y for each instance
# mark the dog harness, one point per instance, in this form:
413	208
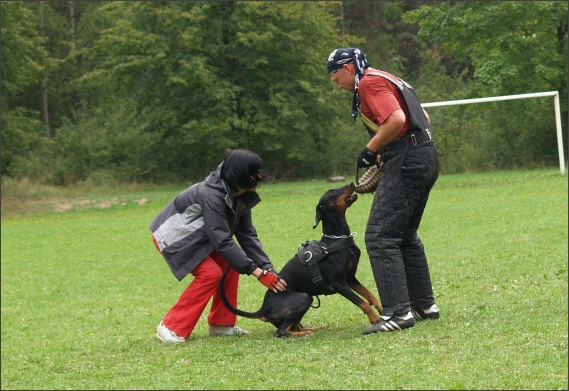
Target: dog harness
313	251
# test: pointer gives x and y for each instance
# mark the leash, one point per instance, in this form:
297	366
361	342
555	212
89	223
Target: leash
317	306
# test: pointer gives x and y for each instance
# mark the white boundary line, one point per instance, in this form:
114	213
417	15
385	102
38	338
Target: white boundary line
555	95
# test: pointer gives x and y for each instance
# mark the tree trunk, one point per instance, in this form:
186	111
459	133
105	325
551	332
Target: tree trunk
77	97
72	21
44	83
342	32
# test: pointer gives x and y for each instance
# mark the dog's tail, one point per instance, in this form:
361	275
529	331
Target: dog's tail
236	311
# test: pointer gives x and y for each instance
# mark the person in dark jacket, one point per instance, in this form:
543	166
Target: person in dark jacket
202	231
402	140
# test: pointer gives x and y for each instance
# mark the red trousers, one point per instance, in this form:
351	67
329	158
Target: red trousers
184	315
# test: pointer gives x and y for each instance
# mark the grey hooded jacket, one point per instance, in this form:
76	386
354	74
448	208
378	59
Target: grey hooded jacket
204	218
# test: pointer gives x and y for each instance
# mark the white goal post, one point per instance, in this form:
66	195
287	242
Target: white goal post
555	95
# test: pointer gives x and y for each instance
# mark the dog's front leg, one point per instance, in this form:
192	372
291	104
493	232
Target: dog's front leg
366	293
344	290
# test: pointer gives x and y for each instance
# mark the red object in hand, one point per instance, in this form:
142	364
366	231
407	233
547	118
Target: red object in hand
268	279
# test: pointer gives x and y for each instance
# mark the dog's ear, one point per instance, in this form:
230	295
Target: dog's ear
318	214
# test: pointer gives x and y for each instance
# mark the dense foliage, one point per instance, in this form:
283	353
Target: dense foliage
156	91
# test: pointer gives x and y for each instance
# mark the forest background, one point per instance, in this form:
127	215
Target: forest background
106	92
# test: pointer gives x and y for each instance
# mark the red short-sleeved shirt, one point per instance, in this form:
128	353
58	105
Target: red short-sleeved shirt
380	98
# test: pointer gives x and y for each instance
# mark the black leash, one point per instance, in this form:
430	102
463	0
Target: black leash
318	306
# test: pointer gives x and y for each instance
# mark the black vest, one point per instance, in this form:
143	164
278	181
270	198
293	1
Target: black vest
417	117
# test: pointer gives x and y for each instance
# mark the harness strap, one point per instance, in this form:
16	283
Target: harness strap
312	252
368	122
417	120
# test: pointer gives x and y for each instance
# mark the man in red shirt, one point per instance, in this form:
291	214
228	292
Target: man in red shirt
402	140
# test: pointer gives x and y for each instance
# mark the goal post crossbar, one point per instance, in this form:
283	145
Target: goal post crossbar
555	95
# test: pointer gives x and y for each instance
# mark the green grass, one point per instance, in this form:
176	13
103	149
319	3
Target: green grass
83	290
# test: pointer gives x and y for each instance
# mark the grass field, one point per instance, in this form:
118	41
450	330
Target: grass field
83	289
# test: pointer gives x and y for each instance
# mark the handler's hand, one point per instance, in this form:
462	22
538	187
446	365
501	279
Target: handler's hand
281	284
366	158
271	280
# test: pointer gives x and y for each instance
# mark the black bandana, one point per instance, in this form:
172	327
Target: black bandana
342	56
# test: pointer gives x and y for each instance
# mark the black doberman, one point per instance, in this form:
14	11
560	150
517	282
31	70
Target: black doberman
311	274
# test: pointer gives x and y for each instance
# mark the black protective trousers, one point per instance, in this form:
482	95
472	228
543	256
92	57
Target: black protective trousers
395	250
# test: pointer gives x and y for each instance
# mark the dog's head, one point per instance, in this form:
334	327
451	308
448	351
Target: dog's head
335	200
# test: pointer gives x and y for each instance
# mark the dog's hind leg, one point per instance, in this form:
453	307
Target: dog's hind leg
297	326
295	330
286	329
287	309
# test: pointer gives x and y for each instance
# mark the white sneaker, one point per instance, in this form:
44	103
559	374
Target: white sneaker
227	330
164	334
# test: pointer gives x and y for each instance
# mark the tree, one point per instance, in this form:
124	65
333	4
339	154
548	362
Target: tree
514	46
199	77
23	65
501	48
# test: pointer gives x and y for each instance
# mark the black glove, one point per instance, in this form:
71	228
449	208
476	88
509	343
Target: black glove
366	158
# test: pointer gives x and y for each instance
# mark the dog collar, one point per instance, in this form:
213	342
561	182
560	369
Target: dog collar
340	237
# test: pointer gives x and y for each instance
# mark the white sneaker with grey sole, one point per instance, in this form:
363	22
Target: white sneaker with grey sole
164	334
227	330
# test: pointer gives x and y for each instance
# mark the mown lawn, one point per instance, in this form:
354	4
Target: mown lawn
83	289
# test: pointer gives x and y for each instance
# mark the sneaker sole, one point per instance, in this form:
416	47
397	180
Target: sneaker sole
215	333
387	327
418	316
162	339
